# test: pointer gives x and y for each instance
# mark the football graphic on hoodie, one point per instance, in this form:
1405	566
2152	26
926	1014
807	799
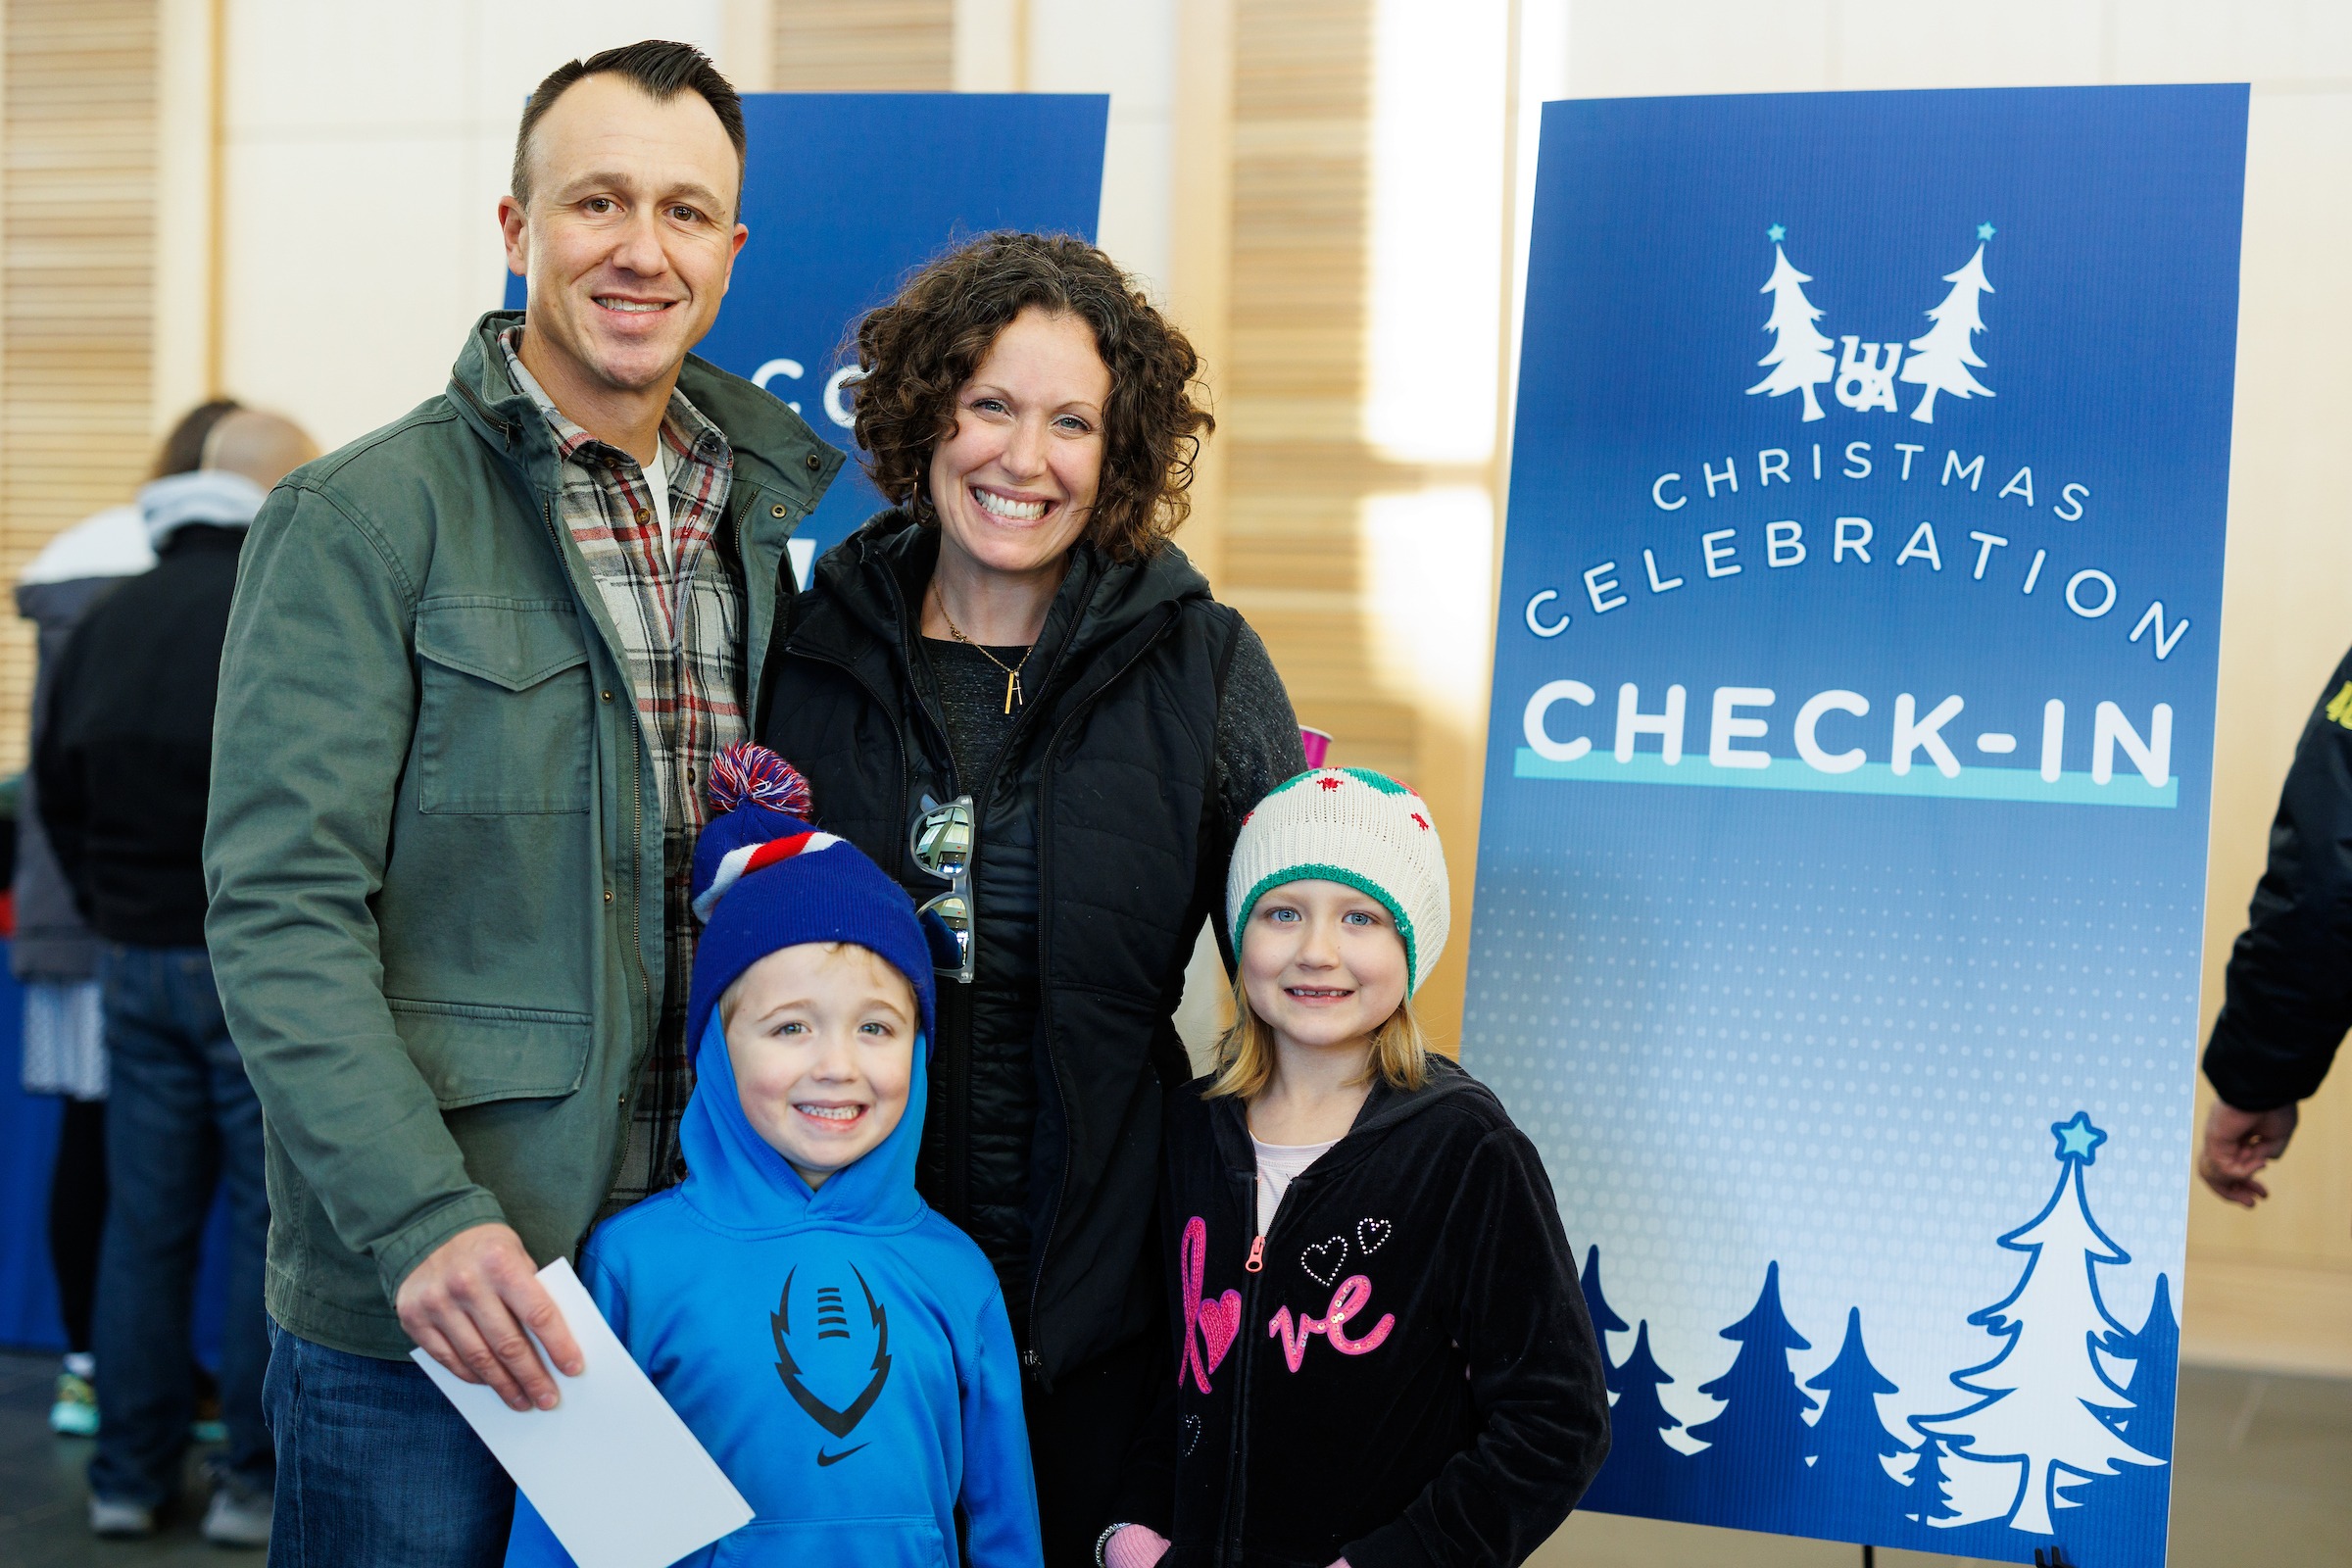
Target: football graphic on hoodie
835	1361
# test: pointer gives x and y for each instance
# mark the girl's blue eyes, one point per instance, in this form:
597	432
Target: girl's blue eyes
1357	917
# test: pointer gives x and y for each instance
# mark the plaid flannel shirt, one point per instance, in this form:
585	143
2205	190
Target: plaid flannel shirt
681	627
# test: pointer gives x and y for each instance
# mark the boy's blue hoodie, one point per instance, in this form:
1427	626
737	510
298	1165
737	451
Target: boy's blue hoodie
844	1354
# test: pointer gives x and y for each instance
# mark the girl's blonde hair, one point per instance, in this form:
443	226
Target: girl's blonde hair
1400	1054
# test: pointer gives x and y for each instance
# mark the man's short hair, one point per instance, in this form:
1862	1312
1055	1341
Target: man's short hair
660	69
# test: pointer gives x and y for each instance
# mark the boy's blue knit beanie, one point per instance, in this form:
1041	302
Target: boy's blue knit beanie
764	879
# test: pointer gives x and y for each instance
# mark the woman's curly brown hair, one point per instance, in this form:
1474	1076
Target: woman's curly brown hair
916	353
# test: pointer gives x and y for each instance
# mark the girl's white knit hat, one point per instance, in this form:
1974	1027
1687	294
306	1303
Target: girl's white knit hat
1352	825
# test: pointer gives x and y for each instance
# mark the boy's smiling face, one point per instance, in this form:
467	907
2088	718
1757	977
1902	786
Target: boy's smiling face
821	1037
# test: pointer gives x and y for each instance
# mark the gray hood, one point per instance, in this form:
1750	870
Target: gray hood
212	496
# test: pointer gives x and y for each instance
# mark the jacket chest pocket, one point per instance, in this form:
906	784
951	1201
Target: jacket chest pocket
504	716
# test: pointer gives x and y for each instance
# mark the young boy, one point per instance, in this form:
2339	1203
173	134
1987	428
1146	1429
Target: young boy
842	1350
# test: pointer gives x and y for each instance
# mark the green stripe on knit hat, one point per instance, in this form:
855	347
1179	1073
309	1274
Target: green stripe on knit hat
1330	874
1378	781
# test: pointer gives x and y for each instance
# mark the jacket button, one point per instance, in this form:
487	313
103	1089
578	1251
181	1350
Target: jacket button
814	461
776	511
606	695
608	895
644	513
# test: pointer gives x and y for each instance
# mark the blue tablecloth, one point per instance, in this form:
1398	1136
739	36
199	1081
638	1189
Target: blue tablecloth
28	1146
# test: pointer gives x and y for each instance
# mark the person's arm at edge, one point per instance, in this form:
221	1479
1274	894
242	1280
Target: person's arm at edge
999	1491
2287	995
1258	730
1536	1377
317	707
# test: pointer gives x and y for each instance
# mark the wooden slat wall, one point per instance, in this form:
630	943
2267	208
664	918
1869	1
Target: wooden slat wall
1295	372
1290	413
77	203
865	46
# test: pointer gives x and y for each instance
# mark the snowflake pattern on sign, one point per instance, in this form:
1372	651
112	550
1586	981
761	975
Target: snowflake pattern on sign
1863	375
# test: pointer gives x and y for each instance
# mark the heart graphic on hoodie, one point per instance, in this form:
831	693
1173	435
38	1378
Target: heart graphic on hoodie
1220	1325
1370	1236
1322	1260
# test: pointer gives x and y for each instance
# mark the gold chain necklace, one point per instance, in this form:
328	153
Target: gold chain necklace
1012	672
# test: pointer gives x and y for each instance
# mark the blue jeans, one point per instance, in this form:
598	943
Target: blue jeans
376	1468
181	1118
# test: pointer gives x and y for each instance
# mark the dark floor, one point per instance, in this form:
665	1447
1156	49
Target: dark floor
42	1499
2265	1477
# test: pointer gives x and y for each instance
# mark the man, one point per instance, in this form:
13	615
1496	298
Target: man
477	670
2288	997
122	768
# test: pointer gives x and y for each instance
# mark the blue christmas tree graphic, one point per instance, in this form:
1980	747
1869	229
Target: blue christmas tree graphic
1645	1472
1605	1321
1928	1498
2137	1499
1758	1444
1851	1442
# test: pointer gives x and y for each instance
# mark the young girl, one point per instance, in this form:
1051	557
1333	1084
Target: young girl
1383	1357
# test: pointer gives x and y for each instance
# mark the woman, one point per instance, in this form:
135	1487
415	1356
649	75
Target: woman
1017	630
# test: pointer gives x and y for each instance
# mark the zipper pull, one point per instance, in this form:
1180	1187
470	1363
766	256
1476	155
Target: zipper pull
1258	1254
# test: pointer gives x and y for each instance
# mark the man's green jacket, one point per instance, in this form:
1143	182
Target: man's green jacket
434	848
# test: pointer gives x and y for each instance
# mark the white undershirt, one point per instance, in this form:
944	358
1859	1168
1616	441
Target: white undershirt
657	480
1278	1165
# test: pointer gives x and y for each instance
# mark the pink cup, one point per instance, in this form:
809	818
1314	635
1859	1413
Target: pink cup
1316	744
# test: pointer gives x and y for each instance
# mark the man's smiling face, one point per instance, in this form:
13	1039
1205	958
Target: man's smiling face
629	235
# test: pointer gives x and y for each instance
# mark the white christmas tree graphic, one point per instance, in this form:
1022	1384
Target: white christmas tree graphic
1800	356
2045	1401
1941	361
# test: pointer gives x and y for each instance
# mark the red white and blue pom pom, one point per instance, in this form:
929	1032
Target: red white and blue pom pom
750	771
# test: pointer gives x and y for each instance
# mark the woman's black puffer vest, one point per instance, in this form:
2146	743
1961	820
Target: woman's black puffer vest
1100	854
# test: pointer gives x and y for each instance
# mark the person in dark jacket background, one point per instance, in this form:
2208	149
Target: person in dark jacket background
123	773
2288	989
1015	655
54	953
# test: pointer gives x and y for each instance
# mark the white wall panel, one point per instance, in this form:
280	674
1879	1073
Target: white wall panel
366	149
1126	48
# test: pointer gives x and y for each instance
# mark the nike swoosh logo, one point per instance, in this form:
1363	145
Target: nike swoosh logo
823	1458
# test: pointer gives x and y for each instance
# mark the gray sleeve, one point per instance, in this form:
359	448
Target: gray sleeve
1257	733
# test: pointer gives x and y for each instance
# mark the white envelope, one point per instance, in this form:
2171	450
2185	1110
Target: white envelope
612	1469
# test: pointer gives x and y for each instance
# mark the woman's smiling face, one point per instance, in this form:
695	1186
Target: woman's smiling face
1015	485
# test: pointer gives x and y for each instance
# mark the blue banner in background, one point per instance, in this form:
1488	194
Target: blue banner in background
1842	871
844	193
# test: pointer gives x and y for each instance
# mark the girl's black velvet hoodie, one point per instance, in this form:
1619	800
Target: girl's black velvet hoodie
1405	1373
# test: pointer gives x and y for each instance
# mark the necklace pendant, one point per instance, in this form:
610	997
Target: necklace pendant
1013	689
